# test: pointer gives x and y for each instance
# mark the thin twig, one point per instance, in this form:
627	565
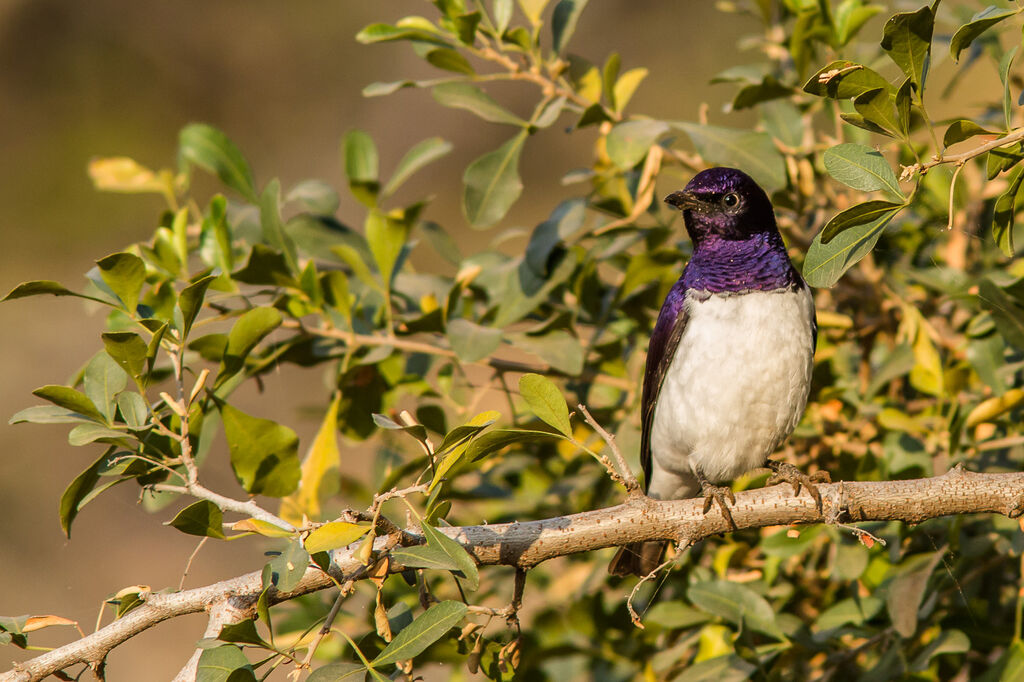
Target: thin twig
940	159
321	633
633	615
191	558
628	479
249	507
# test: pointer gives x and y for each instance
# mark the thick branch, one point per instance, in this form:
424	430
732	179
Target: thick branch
529	543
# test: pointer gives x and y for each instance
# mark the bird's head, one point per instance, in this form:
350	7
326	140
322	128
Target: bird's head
724	202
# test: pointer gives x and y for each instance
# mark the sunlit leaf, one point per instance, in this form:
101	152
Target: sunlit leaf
124	273
459	95
334	535
907	38
862	168
861	214
628	142
979	23
826	263
422	154
546	401
210	149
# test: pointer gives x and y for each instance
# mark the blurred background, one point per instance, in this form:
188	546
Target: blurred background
283	80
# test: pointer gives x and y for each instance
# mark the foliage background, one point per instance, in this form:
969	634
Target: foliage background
116	77
669	101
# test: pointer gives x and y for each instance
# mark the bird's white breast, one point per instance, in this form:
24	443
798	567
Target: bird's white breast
738	383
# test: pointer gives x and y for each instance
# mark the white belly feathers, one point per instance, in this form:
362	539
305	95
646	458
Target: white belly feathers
738	384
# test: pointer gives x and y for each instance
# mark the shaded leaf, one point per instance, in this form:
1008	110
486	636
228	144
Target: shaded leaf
40	287
737	604
961	130
979	23
286	569
315	196
826	263
77	492
460	558
563	22
426	629
628	142
492	183
861	214
248	330
876	106
424	556
1004	75
202	518
559	349
1009	317
263	453
843	79
907	590
1004	212
129	351
103	380
472	342
47	414
361	166
224	664
907	38
489	442
755	153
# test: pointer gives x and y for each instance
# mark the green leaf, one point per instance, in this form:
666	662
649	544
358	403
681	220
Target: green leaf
378	33
843	79
333	535
492	183
90	432
1004	75
129	351
628	142
424	556
361	166
460	95
338	672
460	558
265	266
961	130
465	27
224	664
205	146
737	604
861	167
103	380
1005	210
243	632
286	569
424	153
979	23
47	414
386	238
859	121
202	518
450	60
124	273
70	399
907	590
77	493
471	341
133	409
907	38
861	214
850	17
546	401
904	101
1009	317
826	263
876	106
251	328
40	287
563	22
316	196
559	349
429	627
755	153
501	10
264	454
489	442
190	302
272	227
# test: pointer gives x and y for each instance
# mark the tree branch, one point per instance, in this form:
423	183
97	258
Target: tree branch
529	543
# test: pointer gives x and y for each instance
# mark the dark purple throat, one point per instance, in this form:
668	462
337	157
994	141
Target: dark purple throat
758	263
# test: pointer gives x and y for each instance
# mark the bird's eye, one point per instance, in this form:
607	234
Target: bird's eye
731	200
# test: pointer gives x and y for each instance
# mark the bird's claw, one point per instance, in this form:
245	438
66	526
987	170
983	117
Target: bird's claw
718	493
783	472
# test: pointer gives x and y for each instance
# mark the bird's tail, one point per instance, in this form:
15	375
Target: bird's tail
638	558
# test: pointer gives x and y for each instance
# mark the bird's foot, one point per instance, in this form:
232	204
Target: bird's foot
783	472
717	493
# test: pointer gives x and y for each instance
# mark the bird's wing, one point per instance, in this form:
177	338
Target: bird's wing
662	350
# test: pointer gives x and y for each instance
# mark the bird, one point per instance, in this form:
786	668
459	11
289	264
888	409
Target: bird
730	358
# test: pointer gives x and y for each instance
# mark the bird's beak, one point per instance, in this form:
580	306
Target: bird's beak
683	200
